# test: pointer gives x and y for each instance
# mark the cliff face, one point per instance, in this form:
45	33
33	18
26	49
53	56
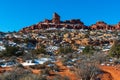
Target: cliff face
99	25
56	18
56	23
117	26
102	25
70	24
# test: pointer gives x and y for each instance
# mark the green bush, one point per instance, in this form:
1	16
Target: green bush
41	50
115	50
11	51
65	50
88	50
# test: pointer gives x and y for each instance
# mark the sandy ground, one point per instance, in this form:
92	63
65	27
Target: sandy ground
64	71
5	69
113	71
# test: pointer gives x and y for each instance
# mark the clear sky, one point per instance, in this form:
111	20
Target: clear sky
16	14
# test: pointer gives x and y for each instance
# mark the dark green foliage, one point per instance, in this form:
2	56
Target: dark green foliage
33	41
20	66
59	77
115	50
40	50
11	51
88	50
65	50
16	40
40	66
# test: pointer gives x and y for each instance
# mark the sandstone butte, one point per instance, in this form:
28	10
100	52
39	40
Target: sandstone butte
55	22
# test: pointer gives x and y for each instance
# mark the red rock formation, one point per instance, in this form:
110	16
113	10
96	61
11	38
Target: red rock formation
100	25
56	18
47	21
117	27
70	24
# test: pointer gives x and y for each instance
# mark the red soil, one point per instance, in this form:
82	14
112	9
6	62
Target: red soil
106	76
35	71
5	69
64	71
113	71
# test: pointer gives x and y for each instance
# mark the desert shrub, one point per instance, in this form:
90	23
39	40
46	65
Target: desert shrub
98	57
88	50
87	70
117	62
20	66
115	50
72	69
48	62
22	76
27	40
41	50
40	66
34	77
15	74
11	51
65	50
46	71
59	77
16	40
54	67
28	56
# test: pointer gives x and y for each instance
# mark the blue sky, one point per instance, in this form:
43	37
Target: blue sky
16	14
